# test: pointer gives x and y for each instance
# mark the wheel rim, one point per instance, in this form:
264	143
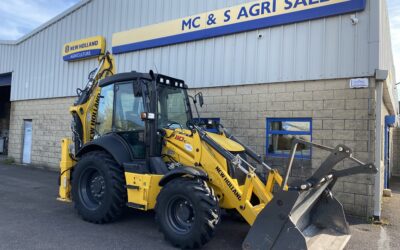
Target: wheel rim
180	214
92	188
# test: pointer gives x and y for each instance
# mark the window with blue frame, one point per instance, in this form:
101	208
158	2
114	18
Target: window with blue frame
282	131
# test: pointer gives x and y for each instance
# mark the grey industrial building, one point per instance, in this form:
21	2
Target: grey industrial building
265	82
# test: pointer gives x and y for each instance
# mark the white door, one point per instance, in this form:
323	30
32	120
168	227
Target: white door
26	154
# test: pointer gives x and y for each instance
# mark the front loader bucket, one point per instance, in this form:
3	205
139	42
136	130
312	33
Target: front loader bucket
311	219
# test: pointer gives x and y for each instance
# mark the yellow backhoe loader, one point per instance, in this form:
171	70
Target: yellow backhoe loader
135	143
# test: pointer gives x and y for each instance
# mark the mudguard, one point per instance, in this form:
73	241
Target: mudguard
181	171
111	143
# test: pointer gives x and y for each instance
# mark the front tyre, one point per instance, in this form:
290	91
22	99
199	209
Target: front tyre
98	188
187	212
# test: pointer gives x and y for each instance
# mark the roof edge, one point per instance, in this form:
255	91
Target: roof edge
46	24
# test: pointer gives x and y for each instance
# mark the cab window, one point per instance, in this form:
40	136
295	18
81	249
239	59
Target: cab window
127	121
105	113
127	109
172	107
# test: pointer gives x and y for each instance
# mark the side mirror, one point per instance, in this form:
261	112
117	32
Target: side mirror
151	73
201	99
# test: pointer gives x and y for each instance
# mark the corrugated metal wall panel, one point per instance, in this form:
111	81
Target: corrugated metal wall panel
326	48
7	59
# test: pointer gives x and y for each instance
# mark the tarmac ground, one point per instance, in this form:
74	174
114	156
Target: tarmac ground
32	218
379	236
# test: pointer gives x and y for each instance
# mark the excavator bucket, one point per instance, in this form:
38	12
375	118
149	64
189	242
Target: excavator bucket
300	220
307	216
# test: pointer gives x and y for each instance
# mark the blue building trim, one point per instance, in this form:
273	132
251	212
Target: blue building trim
82	54
325	11
285	132
390	121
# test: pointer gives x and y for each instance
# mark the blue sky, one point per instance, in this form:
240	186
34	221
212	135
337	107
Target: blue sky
19	17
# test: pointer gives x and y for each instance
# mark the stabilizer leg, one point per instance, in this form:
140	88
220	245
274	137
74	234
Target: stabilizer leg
66	164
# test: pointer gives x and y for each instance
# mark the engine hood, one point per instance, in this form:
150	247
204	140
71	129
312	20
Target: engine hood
226	143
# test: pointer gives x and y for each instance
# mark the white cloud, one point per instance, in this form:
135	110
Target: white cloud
19	17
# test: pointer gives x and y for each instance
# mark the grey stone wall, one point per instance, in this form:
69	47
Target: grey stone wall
396	152
340	116
50	123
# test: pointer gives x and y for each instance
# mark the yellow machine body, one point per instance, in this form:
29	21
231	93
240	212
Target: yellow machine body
142	190
184	147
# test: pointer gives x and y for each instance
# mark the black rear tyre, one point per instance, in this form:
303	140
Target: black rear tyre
187	212
98	188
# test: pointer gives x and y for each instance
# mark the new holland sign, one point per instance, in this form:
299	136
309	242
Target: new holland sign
244	17
85	48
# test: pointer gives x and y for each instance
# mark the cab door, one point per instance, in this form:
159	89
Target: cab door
127	121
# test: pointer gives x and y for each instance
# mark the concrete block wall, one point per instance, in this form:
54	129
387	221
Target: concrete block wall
396	152
50	123
340	116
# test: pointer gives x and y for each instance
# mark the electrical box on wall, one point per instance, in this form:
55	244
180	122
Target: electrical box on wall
359	83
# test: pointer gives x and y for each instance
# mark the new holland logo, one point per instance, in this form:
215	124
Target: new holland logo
229	183
84	48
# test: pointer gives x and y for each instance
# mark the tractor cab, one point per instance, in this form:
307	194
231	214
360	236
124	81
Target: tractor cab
138	107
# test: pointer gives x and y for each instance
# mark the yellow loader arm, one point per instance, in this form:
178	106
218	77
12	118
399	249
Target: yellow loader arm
84	113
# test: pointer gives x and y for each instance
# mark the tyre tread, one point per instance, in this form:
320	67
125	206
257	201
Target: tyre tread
202	193
119	196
